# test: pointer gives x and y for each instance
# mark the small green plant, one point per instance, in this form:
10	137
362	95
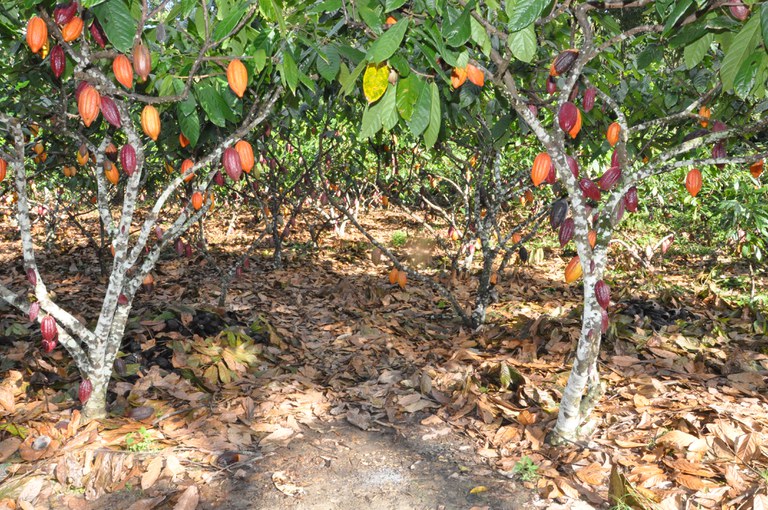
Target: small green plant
621	505
399	238
140	441
526	469
764	475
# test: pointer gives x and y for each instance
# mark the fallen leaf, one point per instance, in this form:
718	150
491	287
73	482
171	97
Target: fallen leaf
152	473
188	500
8	447
284	485
146	503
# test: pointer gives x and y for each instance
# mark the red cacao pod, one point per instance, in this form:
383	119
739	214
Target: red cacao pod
574	93
615	159
32	277
631	199
128	159
603	294
558	213
89	104
218	178
551	85
589	99
37	34
552	174
232	165
738	10
566	232
98	34
563	62
34	310
123	70
573	165
237	77
63	13
590	189
48	328
604	321
48	346
110	112
188	250
610	178
567	116
541	166
85	390
122	299
718	151
693	182
58	61
619	212
142	62
533	109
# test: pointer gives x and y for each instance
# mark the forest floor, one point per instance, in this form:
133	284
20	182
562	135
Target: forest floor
321	386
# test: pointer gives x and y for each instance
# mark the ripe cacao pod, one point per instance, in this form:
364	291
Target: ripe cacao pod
48	328
34	310
615	159
72	30
63	13
3	169
718	151
718	126
218	178
589	99
110	112
705	112
150	121
98	34
603	294
693	182
590	189
566	232
567	116
755	169
186	165
84	391
142	62
558	213
458	77
552	174
573	165
574	131
111	152
123	70
475	75
573	270
523	254
58	61
516	238
563	62
183	140
149	282
128	159
110	171
37	34
738	10
533	109
32	277
197	200
592	238
79	89
393	276
232	165
89	104
604	321
494	278
541	166
618	213
551	85
48	346
402	278
631	199
612	135
610	178
245	151
237	77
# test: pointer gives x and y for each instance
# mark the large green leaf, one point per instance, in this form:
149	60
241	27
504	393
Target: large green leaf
421	111
227	24
745	76
458	33
430	135
388	43
764	22
212	102
189	124
290	72
677	13
739	51
408	91
697	50
117	22
522	44
327	63
522	13
388	105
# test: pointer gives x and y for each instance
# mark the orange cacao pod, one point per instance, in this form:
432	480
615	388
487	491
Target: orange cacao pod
123	70
458	76
705	112
37	34
3	169
89	104
541	166
573	270
592	238
197	200
183	140
245	151
237	77
613	133
110	170
393	276
693	182
150	121
402	279
186	165
72	29
475	75
755	169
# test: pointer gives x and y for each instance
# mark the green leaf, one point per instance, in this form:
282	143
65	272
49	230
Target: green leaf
227	24
117	22
371	123
327	6
408	91
458	33
90	3
679	11
259	60
745	77
522	44
695	52
652	53
212	102
388	105
383	47
370	12
421	111
189	124
272	12
739	51
430	135
522	13
290	72
328	63
480	36
764	22
391	5
347	81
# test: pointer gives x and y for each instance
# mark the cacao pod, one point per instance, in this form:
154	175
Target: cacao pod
37	34
552	174
197	200
590	189
80	87
612	135
72	30
3	169
693	182
111	152
63	13
122	300
755	169
48	346
558	213
574	93
34	310
88	104
390	21
185	166
142	62
232	165
533	109
58	61
128	159
98	34
567	116
718	151
523	254
494	278
563	62
48	328
604	321
574	131
32	277
551	85
110	112
631	199
573	165
237	77
610	178
393	276
615	159
159	233
245	151
541	167
458	77
84	391
603	294
475	75
705	112
718	126
218	178
376	256
592	238
573	270
566	232
402	278
738	10
149	281
150	121
183	140
528	195
618	212
179	247
123	70
589	99
110	171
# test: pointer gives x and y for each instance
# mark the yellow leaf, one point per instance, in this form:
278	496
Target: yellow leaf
375	81
478	489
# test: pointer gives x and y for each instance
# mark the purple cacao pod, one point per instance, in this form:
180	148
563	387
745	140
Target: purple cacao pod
738	10
610	178
590	189
247	263
85	390
98	34
159	233
718	126
32	277
179	246
533	109
238	272
573	165
718	151
218	178
110	112
567	116
58	61
566	232
615	159
48	328
551	85
574	93
631	199
188	250
128	159
589	99
122	299
232	164
558	213
63	13
552	175
619	214
603	294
